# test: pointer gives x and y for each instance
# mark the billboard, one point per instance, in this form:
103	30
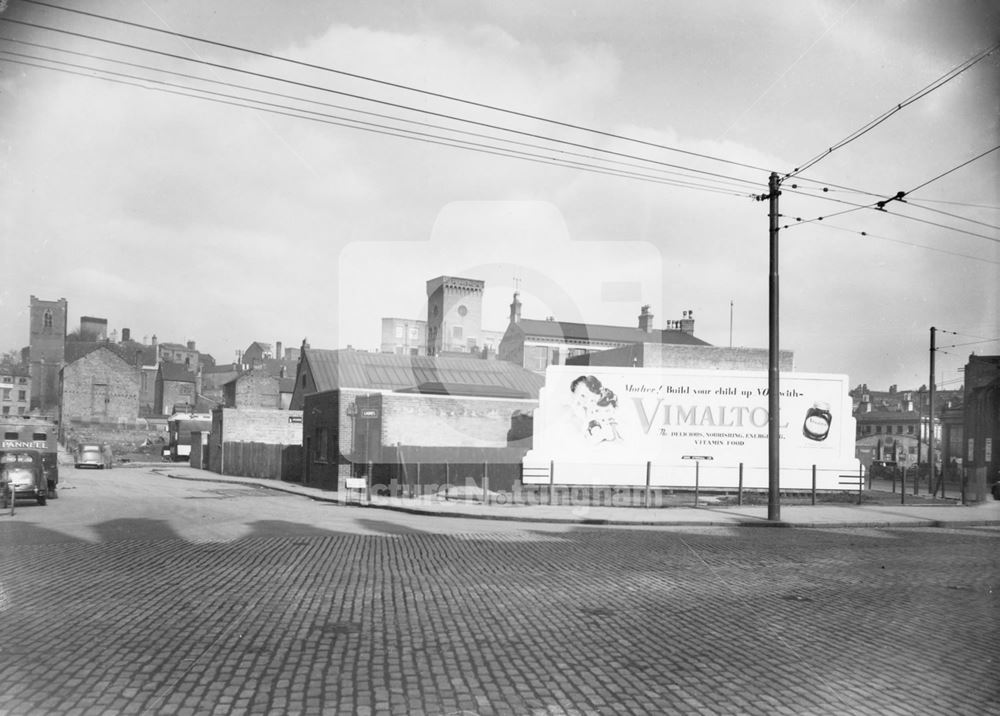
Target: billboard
600	425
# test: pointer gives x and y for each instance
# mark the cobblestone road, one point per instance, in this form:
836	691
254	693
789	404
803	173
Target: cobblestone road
517	620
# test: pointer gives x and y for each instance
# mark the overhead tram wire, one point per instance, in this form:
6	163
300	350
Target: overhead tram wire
396	85
396	105
297	113
719	187
912	203
869	235
858	133
874	207
953	169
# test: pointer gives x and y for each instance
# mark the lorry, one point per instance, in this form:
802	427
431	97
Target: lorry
34	432
179	428
21	477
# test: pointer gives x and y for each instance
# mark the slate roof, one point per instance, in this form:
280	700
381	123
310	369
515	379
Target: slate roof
563	330
332	369
176	372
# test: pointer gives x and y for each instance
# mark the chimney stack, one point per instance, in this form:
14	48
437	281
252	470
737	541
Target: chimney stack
645	319
515	308
687	322
277	351
126	335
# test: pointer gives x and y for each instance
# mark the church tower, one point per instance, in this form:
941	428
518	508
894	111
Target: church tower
454	315
46	351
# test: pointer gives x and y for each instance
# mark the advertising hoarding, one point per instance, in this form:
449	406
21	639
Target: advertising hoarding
601	425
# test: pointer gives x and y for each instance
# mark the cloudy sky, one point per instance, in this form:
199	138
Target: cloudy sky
305	172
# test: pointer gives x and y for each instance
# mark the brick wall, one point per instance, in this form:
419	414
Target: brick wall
448	420
257	390
100	387
656	355
175	392
258	425
405	419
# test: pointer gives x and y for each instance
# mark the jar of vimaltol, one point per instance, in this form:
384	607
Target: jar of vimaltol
817	422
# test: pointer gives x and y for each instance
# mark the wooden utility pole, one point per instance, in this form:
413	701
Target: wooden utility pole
773	394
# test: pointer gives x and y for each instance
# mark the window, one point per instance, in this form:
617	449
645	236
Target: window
909	430
6	410
899	430
22	395
414	333
399	331
6	393
555	356
878	429
47	320
456	331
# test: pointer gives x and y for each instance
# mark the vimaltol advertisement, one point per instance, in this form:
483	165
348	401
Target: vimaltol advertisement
600	425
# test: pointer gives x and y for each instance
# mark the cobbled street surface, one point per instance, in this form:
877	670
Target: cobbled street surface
136	594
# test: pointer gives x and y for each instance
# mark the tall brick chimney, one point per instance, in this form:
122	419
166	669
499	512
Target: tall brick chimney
687	322
277	351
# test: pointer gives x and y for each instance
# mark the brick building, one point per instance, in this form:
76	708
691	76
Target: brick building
536	344
175	386
371	407
981	423
15	389
673	355
258	388
100	387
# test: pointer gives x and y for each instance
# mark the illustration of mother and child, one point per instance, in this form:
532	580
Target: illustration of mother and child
596	406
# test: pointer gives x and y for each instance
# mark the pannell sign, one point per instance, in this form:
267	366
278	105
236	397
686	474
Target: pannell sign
603	421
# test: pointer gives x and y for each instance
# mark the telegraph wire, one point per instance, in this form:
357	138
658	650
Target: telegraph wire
720	187
953	169
953	216
364	98
858	133
870	235
297	113
969	335
971	343
992	207
876	207
396	85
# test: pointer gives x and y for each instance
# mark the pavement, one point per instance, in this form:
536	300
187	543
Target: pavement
499	507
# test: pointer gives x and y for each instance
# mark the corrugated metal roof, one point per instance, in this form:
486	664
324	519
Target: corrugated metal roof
332	369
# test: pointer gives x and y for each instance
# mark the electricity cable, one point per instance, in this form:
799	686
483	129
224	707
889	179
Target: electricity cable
870	235
364	98
396	85
378	129
936	84
721	186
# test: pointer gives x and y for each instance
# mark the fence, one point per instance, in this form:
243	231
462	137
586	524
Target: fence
276	462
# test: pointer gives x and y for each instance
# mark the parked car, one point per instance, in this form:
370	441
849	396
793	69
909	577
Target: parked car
22	477
93	455
995	489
